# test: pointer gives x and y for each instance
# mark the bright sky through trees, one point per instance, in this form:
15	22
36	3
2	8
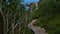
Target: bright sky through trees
27	2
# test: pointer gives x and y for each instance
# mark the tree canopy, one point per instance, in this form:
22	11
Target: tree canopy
14	18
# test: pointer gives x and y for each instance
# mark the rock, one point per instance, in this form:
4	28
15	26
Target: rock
36	29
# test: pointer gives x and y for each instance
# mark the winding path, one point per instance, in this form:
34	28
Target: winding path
36	29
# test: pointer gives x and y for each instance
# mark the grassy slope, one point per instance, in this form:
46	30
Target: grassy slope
52	26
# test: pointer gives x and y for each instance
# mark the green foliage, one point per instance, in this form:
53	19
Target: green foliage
47	15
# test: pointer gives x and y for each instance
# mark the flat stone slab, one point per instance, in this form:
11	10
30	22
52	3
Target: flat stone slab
36	29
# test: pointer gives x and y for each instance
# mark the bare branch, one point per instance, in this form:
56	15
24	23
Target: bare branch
7	22
13	23
3	19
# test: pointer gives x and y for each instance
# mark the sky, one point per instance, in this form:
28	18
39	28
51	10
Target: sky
29	1
25	2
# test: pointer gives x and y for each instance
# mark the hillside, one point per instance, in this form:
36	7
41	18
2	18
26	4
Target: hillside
14	19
